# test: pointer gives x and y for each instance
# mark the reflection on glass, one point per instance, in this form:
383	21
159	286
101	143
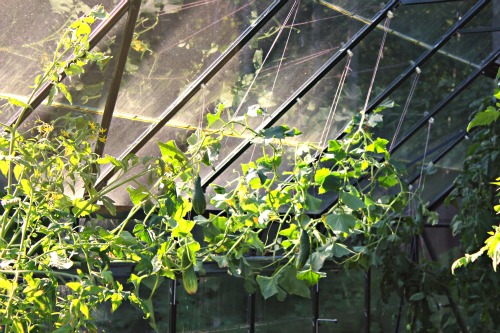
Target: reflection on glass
219	305
130	319
291	315
30	33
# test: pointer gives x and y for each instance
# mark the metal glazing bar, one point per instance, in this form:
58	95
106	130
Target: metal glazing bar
479	30
425	2
444	102
128	34
368	290
315	307
456	141
251	313
184	98
101	30
396	33
303	90
172	323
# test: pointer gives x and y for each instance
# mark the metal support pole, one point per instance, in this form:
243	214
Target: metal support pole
172	325
368	289
315	307
251	313
128	34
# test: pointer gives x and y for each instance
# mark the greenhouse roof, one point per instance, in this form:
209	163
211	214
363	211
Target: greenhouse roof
175	61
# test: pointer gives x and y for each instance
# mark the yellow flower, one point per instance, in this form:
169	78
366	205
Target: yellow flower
45	129
65	133
92	125
103	139
102	130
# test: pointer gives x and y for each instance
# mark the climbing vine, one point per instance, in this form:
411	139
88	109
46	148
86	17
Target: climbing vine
345	202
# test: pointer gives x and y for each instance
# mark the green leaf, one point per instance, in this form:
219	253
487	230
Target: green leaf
63	329
170	149
183	228
257	59
5	284
137	195
116	301
84	310
26	186
310	277
109	204
212	118
486	117
268	285
388	181
16	102
339	250
374	119
352	201
75	286
340	222
74	69
417	297
278	132
83	208
312	203
288	280
378	146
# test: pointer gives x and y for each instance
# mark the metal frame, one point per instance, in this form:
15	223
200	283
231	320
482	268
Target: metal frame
184	98
304	89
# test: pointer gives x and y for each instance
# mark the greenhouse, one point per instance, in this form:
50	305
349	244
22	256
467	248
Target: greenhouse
249	166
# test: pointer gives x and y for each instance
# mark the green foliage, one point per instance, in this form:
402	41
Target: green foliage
477	284
56	258
483	160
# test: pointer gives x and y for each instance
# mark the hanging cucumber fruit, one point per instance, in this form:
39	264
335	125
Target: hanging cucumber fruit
304	250
199	200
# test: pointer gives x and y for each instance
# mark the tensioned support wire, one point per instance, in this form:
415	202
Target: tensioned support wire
96	36
187	94
440	106
456	139
303	90
448	99
421	60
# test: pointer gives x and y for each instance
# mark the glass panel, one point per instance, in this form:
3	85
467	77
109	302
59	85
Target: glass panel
29	34
446	127
173	44
130	319
310	115
427	22
219	305
295	54
439	76
342	297
291	315
474	46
